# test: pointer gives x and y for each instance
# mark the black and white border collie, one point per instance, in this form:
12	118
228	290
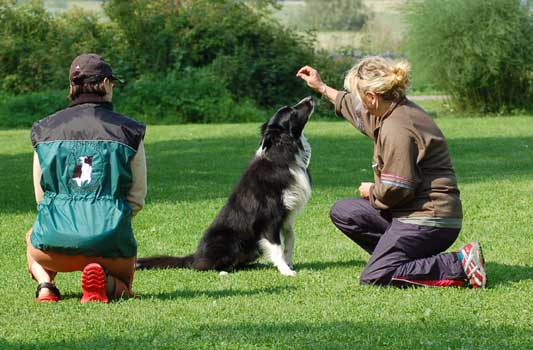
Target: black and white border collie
260	213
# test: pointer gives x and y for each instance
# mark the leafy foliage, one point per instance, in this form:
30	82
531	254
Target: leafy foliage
189	96
36	48
23	110
250	58
478	51
254	56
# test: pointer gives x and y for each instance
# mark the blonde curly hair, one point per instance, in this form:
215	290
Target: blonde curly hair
387	78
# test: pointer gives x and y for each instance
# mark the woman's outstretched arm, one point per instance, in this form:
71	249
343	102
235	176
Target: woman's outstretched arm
313	80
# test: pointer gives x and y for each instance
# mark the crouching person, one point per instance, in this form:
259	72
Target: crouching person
89	174
412	212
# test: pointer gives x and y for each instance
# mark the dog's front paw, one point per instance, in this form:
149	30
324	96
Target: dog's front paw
288	272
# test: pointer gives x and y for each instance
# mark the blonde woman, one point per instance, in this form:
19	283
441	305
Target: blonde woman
412	211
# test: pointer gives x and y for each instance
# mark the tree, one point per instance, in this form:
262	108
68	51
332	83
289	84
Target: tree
480	52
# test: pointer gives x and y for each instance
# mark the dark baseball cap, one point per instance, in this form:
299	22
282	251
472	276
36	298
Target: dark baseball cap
90	68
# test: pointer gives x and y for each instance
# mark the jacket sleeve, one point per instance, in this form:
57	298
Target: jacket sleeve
37	174
348	106
400	174
138	189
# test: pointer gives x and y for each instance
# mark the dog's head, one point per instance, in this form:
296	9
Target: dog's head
285	129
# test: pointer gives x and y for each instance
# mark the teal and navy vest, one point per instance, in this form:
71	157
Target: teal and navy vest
85	152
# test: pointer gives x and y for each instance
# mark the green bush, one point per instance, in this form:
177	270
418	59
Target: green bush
188	96
148	32
477	51
23	110
255	57
36	47
186	61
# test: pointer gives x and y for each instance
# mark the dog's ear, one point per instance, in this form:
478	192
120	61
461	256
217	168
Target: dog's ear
296	126
281	119
267	141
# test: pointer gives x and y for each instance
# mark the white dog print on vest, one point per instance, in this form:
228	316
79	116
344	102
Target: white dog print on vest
83	171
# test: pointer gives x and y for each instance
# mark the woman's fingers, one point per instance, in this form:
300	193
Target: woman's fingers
306	71
310	76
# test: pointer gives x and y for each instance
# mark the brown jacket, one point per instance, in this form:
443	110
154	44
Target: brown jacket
413	174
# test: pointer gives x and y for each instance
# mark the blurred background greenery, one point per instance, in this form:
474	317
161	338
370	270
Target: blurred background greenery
235	60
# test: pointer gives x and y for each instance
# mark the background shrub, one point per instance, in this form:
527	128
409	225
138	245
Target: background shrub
36	47
227	48
253	56
148	32
23	110
479	52
193	95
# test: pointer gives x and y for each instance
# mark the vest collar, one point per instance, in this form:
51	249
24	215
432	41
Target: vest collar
91	98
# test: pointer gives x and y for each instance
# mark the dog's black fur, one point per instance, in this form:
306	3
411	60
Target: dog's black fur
257	209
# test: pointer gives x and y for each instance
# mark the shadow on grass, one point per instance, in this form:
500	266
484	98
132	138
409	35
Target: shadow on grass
216	294
205	169
323	265
192	294
505	275
431	332
309	265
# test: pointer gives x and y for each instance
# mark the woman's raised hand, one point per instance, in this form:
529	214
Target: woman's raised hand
311	77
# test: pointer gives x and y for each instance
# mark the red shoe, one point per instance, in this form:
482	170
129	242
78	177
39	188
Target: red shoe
93	284
474	265
55	296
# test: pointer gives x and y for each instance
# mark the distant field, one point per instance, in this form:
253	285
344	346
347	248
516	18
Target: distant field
64	5
383	33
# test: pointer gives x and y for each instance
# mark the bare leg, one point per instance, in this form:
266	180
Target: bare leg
38	273
44	266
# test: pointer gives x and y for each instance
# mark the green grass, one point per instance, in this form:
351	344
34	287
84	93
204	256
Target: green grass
191	171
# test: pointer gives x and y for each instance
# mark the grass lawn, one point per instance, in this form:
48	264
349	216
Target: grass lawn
192	168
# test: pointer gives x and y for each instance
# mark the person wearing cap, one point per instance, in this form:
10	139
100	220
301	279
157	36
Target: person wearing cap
412	211
89	174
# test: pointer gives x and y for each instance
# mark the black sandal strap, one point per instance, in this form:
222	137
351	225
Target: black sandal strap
111	294
108	277
50	286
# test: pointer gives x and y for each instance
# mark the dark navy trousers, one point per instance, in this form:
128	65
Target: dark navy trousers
401	254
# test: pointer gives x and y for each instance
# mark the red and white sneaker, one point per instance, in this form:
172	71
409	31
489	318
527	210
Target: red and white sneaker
93	284
474	264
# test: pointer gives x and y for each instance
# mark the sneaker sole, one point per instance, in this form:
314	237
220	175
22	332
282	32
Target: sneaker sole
478	275
93	284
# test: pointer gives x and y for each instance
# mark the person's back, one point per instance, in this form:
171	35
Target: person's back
437	192
85	154
90	180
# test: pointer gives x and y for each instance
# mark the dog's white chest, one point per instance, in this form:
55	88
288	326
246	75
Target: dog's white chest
296	196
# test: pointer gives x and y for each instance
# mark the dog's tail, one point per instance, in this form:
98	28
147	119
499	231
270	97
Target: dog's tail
165	262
